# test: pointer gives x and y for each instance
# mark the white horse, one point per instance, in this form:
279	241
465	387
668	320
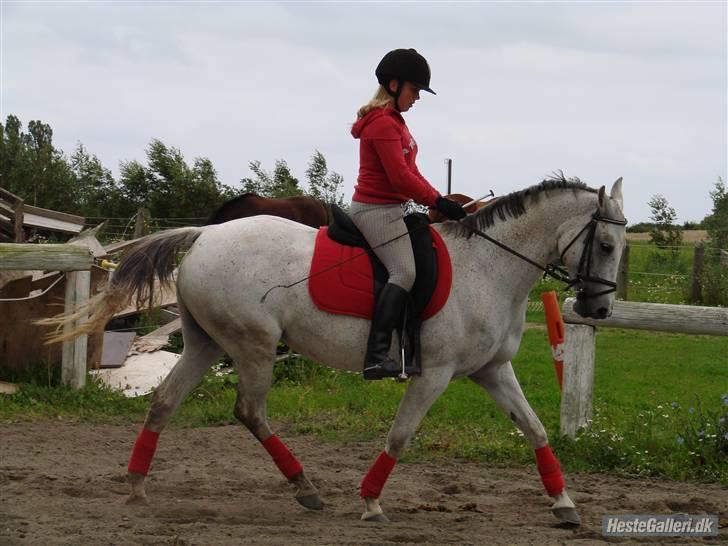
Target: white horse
229	267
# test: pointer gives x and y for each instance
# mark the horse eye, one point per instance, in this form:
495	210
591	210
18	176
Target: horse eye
607	248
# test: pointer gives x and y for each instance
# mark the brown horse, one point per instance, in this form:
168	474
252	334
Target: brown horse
304	210
301	209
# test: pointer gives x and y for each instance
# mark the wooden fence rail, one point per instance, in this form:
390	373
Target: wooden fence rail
580	349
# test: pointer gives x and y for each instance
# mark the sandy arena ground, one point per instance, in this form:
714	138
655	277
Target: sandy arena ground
64	483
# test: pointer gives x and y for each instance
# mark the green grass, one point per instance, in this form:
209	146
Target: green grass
639	377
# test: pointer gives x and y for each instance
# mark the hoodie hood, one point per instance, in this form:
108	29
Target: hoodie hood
375	114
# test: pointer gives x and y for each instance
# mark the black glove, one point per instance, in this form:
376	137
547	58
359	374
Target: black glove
452	209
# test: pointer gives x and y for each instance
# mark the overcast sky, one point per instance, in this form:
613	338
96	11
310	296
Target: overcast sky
598	89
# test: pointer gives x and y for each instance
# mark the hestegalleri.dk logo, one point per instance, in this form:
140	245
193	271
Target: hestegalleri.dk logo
657	525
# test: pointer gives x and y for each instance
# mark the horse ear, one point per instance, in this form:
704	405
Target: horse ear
602	193
616	192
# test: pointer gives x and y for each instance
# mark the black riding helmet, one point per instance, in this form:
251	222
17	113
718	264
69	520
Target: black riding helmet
403	65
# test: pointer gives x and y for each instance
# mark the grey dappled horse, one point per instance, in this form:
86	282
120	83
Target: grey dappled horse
229	267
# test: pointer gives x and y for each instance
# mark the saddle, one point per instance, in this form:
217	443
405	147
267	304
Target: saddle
347	277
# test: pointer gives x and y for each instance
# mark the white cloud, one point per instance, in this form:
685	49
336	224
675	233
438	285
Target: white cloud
600	90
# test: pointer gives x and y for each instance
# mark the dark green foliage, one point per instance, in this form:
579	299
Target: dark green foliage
33	169
640	227
717	223
322	184
279	184
665	234
169	187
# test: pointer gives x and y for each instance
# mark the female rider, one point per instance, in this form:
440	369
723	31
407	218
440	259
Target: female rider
388	177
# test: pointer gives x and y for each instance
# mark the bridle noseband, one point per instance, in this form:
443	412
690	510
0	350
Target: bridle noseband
583	273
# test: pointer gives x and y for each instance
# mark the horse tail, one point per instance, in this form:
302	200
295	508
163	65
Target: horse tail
152	255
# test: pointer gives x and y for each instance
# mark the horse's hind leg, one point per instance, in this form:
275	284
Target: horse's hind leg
500	381
255	370
199	353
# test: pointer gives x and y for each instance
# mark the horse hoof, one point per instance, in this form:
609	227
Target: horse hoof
376	518
312	502
137	500
567	515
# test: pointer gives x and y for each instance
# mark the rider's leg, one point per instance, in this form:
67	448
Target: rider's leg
379	224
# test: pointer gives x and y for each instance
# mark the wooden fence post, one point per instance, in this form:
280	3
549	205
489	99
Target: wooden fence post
73	370
140	225
696	291
623	275
576	397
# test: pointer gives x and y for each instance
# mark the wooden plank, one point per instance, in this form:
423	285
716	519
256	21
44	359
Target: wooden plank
681	319
51	224
116	348
576	396
55	215
166	330
73	372
8	388
45	257
8	196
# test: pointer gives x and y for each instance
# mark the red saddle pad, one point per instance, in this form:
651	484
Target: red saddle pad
348	288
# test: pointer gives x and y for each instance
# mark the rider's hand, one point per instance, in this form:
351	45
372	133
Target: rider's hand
452	209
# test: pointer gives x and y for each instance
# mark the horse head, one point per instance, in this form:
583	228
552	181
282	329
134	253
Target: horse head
592	252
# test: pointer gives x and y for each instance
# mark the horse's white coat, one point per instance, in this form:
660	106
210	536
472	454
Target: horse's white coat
232	265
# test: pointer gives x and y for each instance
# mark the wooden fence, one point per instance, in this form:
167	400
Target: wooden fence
77	262
580	350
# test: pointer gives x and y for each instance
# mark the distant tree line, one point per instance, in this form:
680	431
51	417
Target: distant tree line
34	169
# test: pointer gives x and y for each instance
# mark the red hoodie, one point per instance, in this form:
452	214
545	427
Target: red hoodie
387	169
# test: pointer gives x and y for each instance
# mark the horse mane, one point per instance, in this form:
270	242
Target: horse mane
513	205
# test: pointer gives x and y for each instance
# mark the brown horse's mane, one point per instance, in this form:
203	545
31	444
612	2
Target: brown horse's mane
513	205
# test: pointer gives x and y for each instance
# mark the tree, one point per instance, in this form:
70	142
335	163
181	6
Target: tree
169	187
97	194
322	184
717	223
665	234
279	184
33	169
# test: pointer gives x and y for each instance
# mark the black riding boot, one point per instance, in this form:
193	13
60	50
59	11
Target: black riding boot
387	315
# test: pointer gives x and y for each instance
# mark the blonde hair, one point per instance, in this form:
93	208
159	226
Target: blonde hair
381	99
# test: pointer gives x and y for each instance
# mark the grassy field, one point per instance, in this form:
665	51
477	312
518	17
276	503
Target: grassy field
660	407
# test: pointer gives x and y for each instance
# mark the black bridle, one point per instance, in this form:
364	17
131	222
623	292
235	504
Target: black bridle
583	273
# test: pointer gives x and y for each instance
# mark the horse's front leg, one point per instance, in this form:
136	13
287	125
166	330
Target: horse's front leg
500	381
419	397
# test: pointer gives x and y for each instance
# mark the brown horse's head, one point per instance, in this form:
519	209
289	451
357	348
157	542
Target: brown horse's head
436	216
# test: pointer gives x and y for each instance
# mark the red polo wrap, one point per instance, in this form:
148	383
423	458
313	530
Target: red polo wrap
284	459
373	482
143	451
548	467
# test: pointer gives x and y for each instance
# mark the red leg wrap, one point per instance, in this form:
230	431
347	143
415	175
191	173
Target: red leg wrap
143	451
284	459
373	482
548	467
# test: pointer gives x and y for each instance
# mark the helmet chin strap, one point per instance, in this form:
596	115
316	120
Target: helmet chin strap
396	94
